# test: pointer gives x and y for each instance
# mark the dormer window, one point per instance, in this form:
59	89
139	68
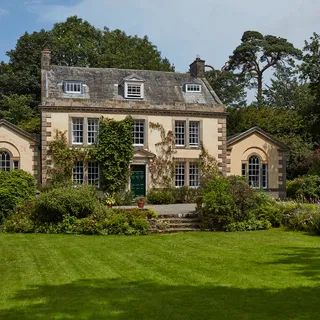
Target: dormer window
73	87
133	87
193	87
133	90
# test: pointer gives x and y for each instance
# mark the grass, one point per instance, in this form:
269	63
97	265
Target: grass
255	275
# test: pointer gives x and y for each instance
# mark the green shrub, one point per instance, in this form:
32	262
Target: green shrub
304	217
52	206
18	222
160	196
124	198
249	225
185	194
305	188
16	186
218	208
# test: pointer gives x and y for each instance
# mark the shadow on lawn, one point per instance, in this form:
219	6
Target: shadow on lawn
115	299
303	261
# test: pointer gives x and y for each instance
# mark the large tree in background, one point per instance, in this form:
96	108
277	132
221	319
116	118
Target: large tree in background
74	42
230	87
257	53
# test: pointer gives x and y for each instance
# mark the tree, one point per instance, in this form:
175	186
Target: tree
229	87
74	42
310	68
287	90
258	53
119	50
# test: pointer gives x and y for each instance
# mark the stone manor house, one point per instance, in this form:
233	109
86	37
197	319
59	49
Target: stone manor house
73	99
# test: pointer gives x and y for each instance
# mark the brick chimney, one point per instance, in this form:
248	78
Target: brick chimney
45	58
197	68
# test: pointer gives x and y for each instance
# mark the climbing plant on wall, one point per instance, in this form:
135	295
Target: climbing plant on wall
63	158
161	167
113	152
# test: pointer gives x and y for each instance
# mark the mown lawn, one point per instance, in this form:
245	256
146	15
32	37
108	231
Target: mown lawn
255	275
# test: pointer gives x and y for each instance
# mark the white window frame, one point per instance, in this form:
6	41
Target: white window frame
194	133
92	130
193	87
258	171
77	130
138	135
70	86
179	134
93	173
78	173
133	95
180	174
5	161
194	175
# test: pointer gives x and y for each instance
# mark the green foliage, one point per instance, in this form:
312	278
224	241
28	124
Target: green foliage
208	167
160	196
114	152
258	53
304	188
55	204
161	167
63	158
304	217
16	186
230	87
249	225
124	198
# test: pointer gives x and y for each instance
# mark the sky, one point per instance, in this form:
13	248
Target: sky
181	29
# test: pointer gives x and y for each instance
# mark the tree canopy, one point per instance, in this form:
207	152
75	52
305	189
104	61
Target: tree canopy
258	53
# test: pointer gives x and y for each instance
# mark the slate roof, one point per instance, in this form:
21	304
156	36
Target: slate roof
237	137
160	87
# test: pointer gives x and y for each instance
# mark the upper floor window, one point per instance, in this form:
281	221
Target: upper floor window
138	132
193	87
72	86
92	130
133	90
180	131
194	133
5	161
77	130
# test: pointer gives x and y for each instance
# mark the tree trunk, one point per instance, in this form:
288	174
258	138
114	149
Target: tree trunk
259	92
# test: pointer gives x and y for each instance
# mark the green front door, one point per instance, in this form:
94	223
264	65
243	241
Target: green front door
138	180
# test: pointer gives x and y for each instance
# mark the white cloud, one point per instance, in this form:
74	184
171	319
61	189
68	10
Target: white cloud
181	29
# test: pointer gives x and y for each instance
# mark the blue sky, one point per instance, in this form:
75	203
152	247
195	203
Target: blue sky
181	29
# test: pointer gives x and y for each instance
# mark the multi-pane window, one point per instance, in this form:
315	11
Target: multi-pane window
192	87
72	87
264	175
78	173
5	161
194	133
254	171
179	174
194	176
92	126
93	173
180	131
244	170
133	90
138	132
77	130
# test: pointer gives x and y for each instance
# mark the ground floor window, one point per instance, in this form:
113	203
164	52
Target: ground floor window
5	161
256	172
86	173
187	173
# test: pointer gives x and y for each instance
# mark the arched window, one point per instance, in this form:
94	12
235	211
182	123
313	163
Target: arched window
5	161
254	172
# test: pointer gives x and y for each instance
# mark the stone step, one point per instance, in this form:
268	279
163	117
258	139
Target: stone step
173	230
177	220
180	215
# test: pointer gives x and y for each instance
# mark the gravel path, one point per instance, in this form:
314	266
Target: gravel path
179	208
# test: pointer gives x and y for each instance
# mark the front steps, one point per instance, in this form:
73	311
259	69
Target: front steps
169	223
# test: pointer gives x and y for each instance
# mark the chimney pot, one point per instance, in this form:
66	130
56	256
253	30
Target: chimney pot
197	68
45	58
